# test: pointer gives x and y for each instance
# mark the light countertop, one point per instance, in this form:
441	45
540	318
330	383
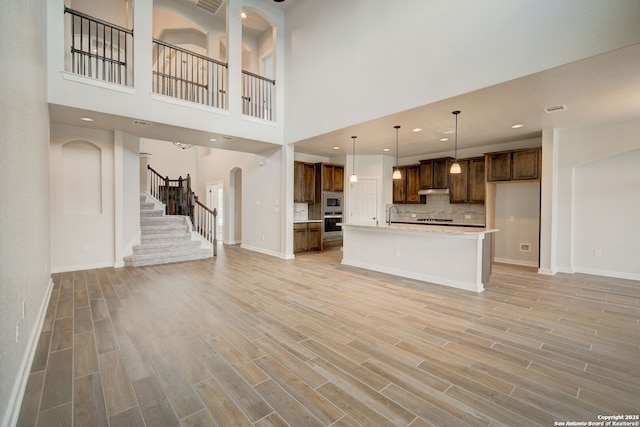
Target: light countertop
423	228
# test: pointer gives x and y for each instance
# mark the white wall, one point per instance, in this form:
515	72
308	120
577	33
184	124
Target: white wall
169	160
24	212
441	48
585	155
605	216
517	215
81	237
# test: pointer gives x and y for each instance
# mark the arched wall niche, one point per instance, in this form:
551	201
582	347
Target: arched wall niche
81	178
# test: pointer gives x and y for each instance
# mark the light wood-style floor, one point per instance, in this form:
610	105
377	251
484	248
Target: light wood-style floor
251	340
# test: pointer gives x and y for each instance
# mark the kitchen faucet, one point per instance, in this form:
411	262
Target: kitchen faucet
397	211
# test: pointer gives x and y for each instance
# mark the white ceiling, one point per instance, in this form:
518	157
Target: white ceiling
597	90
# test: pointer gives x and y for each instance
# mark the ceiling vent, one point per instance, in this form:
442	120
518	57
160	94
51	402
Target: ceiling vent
555	109
142	123
210	5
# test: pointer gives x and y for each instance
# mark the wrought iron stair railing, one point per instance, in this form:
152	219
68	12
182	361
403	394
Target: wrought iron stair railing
179	199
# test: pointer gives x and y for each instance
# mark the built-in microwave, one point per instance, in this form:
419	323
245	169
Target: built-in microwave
332	201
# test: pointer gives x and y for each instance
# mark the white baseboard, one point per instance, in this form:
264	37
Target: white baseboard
15	403
262	250
608	273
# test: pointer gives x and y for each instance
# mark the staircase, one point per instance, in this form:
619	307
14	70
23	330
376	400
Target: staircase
164	239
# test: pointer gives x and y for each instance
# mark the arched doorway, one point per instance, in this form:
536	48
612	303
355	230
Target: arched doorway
234	223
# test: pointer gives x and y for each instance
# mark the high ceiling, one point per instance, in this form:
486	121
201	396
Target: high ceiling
601	89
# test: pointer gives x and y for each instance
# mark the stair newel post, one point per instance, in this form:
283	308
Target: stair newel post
215	232
187	198
165	196
193	201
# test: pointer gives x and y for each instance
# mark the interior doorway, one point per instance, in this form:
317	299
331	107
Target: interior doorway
215	200
363	201
234	208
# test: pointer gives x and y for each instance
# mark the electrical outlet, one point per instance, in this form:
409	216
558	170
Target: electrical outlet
597	252
467	217
511	218
413	215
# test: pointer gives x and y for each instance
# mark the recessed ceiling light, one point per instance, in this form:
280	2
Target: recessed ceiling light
212	139
386	149
448	131
517	126
444	139
86	119
336	148
416	130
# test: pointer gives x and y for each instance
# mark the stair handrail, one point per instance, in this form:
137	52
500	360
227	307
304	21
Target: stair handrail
180	199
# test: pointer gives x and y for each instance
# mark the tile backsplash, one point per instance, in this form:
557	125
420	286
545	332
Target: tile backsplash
438	206
300	211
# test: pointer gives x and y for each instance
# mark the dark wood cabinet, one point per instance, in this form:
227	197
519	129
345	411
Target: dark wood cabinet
458	192
413	184
468	185
426	174
307	236
303	182
441	173
526	164
514	165
314	237
399	186
477	183
332	177
434	173
499	166
405	190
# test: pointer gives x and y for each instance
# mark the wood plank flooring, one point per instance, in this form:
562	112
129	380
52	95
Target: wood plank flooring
251	340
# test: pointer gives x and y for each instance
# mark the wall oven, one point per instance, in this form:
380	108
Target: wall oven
331	230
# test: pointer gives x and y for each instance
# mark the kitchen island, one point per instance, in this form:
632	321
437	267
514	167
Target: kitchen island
447	255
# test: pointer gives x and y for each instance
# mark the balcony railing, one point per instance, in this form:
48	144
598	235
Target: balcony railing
186	75
99	50
103	51
257	96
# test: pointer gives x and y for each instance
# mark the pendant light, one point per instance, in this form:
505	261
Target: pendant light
396	172
455	167
354	178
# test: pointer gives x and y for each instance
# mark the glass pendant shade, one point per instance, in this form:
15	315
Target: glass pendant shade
455	167
396	171
354	177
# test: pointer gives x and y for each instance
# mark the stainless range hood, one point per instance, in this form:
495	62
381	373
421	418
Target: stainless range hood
433	191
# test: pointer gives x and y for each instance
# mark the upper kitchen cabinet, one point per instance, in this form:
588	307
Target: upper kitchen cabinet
468	185
434	173
332	177
477	182
304	190
459	183
405	190
514	165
